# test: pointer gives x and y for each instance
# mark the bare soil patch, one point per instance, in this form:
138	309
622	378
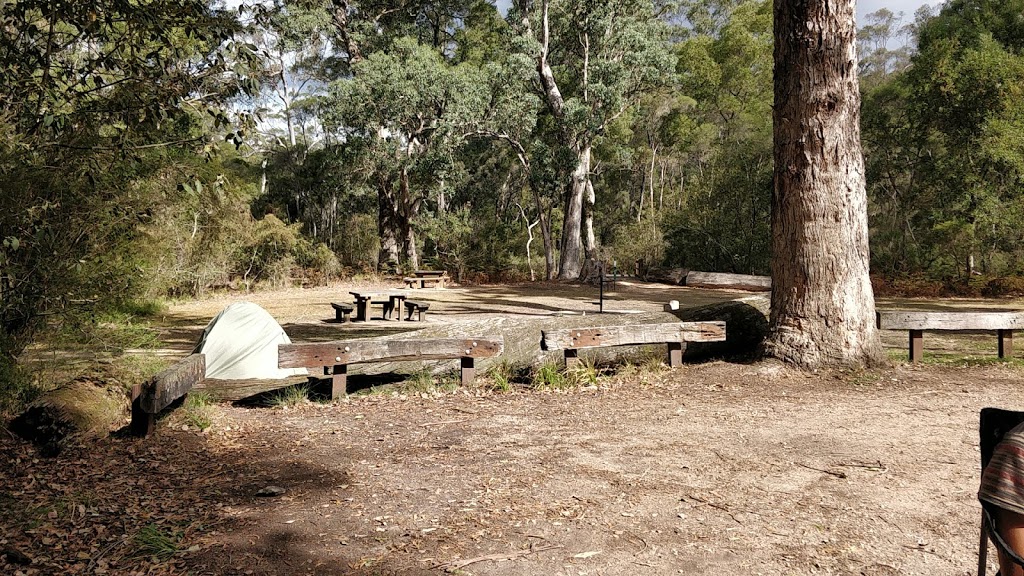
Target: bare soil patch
712	468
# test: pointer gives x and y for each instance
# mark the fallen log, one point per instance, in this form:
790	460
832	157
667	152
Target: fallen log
728	281
82	408
673	276
747	326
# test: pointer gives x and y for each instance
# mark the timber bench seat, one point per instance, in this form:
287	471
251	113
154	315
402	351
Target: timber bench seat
341	311
334	357
916	322
160	391
571	340
417	306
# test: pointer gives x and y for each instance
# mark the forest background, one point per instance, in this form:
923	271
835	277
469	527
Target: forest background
167	149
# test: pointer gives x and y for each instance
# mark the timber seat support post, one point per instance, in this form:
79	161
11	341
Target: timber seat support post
673	334
916	322
334	357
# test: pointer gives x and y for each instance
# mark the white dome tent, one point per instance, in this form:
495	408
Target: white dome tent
241	342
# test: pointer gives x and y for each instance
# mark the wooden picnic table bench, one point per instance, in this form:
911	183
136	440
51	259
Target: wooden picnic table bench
571	340
917	321
341	311
389	302
418	306
334	357
425	277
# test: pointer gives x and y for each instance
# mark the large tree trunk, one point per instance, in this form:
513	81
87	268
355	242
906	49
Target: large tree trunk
589	240
549	242
407	213
571	257
823	308
387	226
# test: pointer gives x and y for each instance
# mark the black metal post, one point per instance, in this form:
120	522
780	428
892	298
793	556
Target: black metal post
600	271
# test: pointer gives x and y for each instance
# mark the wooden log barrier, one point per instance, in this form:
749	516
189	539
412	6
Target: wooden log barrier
672	333
334	357
728	281
160	391
916	322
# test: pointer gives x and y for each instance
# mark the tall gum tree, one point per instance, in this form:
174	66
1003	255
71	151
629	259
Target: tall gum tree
595	60
362	29
822	303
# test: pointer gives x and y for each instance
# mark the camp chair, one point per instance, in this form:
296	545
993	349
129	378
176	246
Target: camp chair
993	424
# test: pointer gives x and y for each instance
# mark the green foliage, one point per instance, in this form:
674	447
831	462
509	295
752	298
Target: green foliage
289	397
198	410
945	149
95	95
449	240
720	143
550	376
156	542
639	242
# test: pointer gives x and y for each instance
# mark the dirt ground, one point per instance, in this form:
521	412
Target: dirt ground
710	468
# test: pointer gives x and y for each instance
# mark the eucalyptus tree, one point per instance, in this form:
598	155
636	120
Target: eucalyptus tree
408	107
594	61
399	95
822	306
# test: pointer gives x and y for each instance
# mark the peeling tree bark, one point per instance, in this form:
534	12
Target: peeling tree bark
822	309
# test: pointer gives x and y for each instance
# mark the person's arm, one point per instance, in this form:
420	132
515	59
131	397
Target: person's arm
1011	527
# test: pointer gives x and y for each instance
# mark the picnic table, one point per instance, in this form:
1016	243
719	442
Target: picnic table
389	301
423	278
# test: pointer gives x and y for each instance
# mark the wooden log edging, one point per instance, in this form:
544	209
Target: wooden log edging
160	391
916	322
334	357
674	334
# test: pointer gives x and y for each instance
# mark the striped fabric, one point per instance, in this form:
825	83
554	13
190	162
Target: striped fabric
1002	482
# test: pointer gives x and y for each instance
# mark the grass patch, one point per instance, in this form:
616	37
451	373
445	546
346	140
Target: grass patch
503	376
967	361
583	374
135	368
289	397
426	382
198	409
549	376
154	542
645	360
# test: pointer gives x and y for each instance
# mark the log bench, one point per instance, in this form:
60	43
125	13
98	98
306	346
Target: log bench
916	322
341	311
334	357
417	306
160	391
674	334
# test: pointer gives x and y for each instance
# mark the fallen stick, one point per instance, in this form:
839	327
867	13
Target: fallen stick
457	564
836	474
